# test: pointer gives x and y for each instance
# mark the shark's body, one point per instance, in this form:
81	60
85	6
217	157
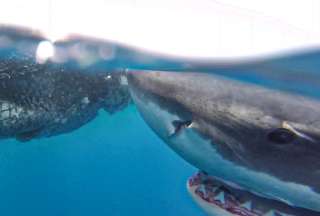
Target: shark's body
259	140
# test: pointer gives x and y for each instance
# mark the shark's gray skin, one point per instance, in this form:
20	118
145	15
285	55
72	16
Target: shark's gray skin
43	99
248	137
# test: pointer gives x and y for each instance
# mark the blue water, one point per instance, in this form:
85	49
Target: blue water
115	165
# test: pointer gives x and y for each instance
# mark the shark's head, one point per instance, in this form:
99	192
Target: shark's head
262	140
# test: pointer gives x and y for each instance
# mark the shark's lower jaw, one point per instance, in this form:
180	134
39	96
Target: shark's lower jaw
225	199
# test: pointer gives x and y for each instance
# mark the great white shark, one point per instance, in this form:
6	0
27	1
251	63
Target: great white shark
258	147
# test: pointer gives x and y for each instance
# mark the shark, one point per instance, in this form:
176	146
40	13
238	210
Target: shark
257	147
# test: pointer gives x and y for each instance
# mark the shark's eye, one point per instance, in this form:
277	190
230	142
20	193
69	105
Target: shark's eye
281	136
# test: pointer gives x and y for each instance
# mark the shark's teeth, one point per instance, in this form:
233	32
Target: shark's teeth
226	197
202	189
220	197
247	205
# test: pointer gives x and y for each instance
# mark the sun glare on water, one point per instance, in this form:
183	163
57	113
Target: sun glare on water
45	50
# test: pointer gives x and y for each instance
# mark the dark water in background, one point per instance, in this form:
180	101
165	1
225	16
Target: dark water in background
115	165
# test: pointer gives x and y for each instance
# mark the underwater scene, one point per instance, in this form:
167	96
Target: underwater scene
91	126
96	170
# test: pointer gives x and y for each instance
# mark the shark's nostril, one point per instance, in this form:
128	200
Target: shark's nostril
281	136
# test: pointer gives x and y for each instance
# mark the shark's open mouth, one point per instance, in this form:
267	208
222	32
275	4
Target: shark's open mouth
219	198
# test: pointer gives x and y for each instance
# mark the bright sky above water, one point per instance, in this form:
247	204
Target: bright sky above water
203	28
